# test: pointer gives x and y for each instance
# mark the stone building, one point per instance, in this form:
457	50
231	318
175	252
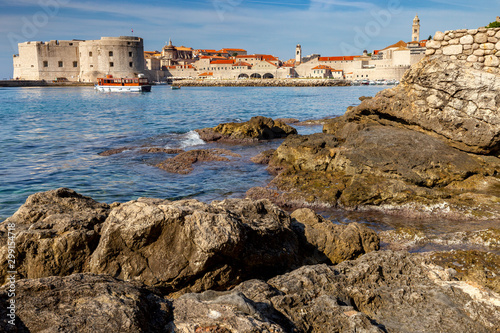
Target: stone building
79	60
389	63
298	54
415	35
171	55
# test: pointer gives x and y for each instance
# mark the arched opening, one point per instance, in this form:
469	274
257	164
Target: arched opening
268	76
256	76
243	76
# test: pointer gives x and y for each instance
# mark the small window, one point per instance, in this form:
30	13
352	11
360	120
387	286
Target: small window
128	43
90	54
60	64
91	65
111	64
130	54
70	44
130	64
110	53
75	63
45	64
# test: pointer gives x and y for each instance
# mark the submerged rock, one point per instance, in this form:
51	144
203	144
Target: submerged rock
182	163
115	151
257	128
152	150
264	157
156	150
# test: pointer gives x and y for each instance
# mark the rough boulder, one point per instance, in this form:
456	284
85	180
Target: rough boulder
257	128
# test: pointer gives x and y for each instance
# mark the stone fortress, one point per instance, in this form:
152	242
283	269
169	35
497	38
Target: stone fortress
80	60
86	60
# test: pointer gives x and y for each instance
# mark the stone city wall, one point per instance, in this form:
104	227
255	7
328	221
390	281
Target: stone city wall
476	48
263	83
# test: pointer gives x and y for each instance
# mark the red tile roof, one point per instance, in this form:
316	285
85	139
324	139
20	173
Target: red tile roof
236	50
222	62
397	45
242	63
271	63
348	58
323	67
206	74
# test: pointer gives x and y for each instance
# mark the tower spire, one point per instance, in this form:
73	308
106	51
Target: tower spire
415	33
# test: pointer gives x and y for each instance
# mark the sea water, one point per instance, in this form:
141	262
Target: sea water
51	137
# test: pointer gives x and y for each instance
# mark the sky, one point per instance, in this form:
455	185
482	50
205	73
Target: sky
326	27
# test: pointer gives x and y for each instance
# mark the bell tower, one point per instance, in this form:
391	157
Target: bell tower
298	53
415	35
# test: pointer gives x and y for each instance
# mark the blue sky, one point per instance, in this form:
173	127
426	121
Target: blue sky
327	27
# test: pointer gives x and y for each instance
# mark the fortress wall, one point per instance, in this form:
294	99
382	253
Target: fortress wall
47	60
26	62
117	56
476	48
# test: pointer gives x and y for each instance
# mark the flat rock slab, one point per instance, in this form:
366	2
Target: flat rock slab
183	162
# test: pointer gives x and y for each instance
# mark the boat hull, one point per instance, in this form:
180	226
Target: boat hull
143	88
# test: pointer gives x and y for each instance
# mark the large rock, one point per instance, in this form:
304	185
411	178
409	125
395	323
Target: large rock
385	167
337	242
428	146
54	233
191	246
257	128
455	103
84	303
379	292
226	312
178	246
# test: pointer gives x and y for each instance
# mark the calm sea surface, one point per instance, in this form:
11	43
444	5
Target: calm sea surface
51	138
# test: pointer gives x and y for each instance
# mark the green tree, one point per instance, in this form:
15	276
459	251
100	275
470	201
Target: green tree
430	37
494	25
235	54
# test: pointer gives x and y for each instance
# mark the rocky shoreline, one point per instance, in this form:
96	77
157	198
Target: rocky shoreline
238	265
264	83
427	149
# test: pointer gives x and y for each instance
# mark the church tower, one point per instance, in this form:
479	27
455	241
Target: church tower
415	36
298	54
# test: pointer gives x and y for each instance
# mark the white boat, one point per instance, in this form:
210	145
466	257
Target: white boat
111	84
